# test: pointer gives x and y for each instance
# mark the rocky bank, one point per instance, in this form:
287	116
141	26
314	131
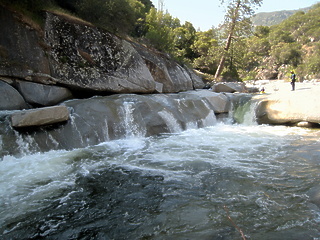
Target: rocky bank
67	58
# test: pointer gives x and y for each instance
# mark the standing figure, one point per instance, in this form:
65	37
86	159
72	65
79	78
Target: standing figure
293	80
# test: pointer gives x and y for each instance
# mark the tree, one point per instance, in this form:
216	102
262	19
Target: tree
262	31
238	12
116	16
205	48
184	38
161	28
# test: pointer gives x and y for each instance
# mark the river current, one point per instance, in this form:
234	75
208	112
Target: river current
210	183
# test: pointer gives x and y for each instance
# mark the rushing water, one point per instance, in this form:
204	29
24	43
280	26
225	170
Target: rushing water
209	183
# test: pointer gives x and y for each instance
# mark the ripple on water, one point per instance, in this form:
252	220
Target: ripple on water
169	186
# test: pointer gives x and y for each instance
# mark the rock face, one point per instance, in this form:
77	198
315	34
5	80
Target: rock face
170	75
22	54
75	55
82	56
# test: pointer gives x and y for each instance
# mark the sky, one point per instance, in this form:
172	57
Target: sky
204	14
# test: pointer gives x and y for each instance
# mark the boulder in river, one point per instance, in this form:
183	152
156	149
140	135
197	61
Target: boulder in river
39	117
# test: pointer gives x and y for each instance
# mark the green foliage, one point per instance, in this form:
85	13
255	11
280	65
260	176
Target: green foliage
292	44
206	50
262	31
31	8
273	18
69	5
258	46
184	38
287	53
161	27
311	65
279	35
116	16
30	5
237	24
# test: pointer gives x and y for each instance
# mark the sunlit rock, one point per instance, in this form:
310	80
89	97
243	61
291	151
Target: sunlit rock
229	87
289	108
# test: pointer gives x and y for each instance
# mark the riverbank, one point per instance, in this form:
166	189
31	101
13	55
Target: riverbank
282	87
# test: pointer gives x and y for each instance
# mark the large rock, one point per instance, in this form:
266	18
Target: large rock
10	98
141	115
168	73
289	107
220	102
86	57
40	117
42	95
229	87
83	56
72	53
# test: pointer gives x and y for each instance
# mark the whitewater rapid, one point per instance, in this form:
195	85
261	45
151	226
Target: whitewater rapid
170	186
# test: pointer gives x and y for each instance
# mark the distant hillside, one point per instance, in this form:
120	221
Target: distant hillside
273	18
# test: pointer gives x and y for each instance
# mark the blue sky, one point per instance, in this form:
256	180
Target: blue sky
204	14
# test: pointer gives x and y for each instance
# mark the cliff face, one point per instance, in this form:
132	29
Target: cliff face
78	56
22	54
85	57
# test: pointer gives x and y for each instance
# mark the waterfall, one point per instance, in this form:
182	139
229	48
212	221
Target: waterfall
101	176
75	127
171	121
132	127
244	112
210	119
99	119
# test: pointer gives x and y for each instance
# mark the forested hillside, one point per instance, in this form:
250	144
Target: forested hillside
292	44
265	52
273	18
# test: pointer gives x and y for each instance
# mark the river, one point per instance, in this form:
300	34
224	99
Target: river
210	183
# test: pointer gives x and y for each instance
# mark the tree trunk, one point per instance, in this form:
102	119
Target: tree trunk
234	19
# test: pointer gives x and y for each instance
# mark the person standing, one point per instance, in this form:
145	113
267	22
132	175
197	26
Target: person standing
293	80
